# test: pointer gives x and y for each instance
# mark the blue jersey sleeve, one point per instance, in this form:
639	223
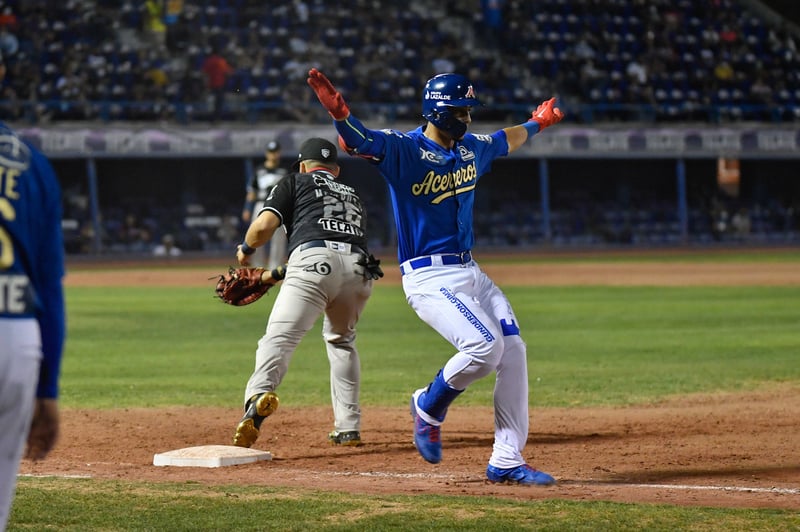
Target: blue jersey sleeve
487	148
360	140
32	249
48	279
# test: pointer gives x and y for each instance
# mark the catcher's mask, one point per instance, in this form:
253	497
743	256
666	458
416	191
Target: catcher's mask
442	93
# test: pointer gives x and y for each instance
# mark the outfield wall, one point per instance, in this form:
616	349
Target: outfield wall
570	187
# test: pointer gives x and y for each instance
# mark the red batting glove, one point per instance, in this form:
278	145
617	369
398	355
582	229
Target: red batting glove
328	96
547	115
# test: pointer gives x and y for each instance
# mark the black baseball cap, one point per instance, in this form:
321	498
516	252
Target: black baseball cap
317	149
273	146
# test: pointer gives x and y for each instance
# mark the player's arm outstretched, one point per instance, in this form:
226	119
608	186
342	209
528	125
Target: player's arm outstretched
544	116
354	137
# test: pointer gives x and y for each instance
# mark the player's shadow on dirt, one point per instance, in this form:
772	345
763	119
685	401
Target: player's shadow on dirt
665	475
465	440
560	439
403	445
461	440
479	439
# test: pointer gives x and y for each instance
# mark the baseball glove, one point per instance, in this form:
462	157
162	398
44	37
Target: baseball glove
242	286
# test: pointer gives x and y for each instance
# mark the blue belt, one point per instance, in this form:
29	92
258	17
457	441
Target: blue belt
324	244
450	259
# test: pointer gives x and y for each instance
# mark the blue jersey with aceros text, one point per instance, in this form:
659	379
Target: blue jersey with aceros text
432	187
32	249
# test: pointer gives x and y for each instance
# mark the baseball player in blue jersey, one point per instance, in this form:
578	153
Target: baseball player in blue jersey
432	173
32	322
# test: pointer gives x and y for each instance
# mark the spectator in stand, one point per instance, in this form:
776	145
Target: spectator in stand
8	19
727	34
585	47
724	71
740	223
760	90
69	82
687	37
489	23
217	69
154	28
167	247
636	72
10	106
179	34
9	44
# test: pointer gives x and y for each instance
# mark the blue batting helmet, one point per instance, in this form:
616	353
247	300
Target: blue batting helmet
442	92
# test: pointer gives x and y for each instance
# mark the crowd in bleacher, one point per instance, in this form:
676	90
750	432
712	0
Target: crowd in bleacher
606	59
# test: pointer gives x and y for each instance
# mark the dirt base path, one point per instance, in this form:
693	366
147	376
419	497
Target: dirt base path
724	450
537	274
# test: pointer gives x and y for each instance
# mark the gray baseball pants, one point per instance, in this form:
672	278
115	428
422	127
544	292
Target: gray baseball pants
318	280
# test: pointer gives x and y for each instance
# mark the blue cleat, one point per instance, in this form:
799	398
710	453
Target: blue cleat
523	474
427	437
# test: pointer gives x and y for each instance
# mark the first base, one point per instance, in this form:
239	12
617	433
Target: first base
210	456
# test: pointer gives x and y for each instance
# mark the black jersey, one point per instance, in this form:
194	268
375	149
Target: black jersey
314	206
263	181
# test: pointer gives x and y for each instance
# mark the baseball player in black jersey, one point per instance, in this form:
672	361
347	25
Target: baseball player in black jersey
329	271
258	188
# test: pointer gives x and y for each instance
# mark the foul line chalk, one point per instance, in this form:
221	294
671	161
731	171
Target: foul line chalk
741	489
578	483
686	487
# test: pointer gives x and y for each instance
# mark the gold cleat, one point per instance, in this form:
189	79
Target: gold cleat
246	433
259	407
348	438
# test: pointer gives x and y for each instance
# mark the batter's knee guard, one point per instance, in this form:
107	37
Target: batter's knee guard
435	400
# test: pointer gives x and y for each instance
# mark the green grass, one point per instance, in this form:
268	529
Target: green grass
156	346
703	255
189	506
630	345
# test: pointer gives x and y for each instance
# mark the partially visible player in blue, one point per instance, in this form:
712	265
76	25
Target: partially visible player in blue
432	173
32	322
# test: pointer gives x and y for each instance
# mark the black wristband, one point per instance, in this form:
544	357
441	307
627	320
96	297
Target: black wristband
247	250
278	273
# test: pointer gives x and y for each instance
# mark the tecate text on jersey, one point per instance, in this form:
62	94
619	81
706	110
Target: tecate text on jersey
331	224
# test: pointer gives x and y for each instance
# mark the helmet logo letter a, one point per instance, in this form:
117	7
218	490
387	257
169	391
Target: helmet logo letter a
470	92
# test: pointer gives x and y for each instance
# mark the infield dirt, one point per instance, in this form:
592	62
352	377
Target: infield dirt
726	450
